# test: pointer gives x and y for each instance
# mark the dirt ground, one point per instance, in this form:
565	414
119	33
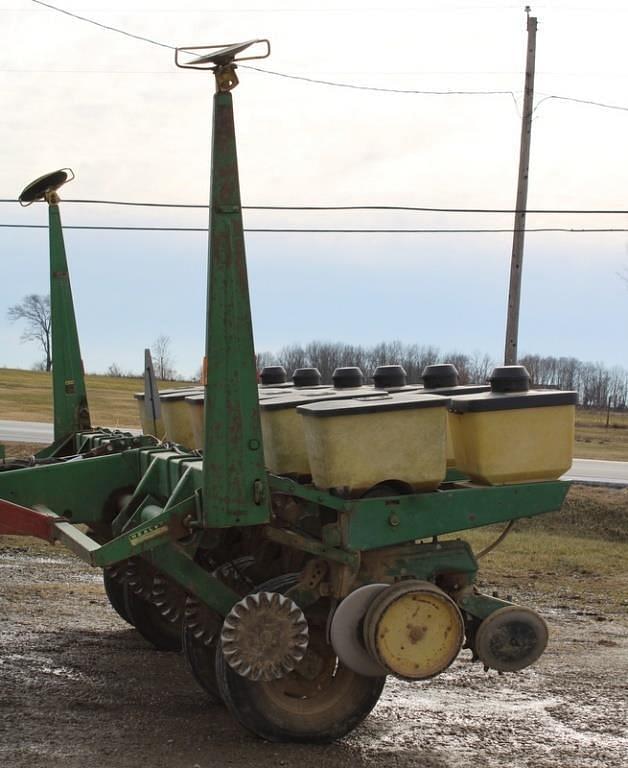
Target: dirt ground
79	687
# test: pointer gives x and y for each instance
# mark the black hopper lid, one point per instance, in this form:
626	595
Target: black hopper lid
306	377
510	378
273	374
390	376
351	376
442	375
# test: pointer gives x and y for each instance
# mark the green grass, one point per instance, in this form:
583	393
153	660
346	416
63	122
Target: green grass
595	440
556	566
580	551
27	396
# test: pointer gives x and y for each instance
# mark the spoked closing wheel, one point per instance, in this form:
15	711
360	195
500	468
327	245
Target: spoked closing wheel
114	588
321	700
147	619
164	632
201	626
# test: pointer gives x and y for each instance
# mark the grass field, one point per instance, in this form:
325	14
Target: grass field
581	548
594	440
26	396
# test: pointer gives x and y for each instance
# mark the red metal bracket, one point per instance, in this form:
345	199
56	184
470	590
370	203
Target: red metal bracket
16	520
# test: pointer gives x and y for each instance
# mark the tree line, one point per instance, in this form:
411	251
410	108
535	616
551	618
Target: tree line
597	385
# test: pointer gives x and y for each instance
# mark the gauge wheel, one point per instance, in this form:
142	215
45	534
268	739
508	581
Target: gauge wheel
114	590
147	619
201	627
320	701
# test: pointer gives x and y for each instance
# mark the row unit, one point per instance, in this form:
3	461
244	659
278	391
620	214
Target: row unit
354	438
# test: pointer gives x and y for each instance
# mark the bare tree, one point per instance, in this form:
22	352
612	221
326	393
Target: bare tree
292	357
262	359
115	371
34	309
162	358
463	365
480	367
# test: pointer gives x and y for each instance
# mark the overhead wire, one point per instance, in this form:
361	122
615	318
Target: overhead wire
382	89
579	101
144	39
107	27
314	208
331	83
284	230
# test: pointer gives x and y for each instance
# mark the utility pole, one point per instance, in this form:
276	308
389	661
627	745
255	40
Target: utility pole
516	264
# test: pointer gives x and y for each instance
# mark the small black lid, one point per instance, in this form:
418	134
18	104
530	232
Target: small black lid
306	377
390	376
443	375
347	377
273	374
510	378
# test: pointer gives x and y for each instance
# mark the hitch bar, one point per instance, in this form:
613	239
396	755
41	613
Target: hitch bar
16	520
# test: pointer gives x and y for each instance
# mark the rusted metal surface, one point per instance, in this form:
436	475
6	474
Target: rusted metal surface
16	520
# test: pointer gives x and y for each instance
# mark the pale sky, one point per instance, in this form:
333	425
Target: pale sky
133	127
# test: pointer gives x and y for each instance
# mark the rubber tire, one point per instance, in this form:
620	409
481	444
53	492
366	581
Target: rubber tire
251	706
149	622
115	594
201	659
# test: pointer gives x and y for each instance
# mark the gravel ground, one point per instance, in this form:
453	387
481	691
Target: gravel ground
78	688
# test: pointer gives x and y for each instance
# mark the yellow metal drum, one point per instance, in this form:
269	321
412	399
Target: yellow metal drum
414	630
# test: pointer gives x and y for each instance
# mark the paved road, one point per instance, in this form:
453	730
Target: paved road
26	432
31	432
603	472
584	470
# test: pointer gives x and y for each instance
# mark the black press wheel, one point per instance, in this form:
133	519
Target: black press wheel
201	659
320	701
201	627
147	619
114	589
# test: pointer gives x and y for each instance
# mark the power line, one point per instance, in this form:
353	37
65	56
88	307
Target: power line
320	231
305	9
580	101
375	88
314	208
104	26
331	83
110	28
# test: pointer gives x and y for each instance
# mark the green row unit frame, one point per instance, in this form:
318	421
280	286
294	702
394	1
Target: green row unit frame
169	477
152	498
366	524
